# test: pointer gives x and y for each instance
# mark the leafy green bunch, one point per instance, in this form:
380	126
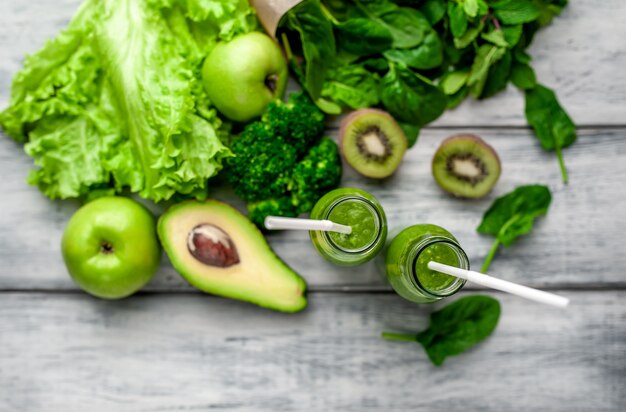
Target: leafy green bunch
418	58
282	166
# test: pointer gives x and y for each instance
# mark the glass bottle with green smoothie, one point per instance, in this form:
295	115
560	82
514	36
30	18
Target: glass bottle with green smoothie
359	210
406	263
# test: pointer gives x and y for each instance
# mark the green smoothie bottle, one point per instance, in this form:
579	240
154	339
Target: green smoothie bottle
361	211
406	263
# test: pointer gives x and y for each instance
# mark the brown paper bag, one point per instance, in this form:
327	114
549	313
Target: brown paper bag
271	11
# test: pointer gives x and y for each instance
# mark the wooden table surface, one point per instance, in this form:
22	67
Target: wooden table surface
171	348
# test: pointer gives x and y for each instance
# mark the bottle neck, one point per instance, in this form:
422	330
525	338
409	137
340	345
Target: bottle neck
411	269
377	218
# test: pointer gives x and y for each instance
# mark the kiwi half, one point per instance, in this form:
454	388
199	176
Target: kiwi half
466	166
372	143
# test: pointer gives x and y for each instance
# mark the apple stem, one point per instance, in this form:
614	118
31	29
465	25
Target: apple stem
106	248
271	82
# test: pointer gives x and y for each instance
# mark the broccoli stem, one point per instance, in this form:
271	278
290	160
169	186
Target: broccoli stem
490	255
399	336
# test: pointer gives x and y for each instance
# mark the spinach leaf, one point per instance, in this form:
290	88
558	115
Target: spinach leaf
512	215
515	11
523	76
318	43
411	98
406	25
433	10
551	123
363	36
427	55
411	132
352	86
456	328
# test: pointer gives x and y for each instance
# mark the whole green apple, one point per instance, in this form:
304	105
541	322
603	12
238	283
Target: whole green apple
110	247
242	76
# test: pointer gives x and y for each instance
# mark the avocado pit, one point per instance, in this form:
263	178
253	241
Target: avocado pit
212	246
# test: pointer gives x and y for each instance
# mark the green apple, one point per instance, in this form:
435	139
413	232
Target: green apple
110	247
242	76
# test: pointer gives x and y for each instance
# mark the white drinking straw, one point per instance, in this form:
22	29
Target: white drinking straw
291	223
499	284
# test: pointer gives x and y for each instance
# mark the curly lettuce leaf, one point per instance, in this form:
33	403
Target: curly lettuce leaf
115	102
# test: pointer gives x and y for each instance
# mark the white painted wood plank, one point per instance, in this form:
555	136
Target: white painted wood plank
581	56
68	352
574	245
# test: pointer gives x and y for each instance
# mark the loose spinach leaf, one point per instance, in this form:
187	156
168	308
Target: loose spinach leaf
456	328
352	86
363	36
318	42
553	127
411	98
523	76
513	215
515	11
427	55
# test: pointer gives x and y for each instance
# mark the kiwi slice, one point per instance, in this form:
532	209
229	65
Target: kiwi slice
372	143
466	166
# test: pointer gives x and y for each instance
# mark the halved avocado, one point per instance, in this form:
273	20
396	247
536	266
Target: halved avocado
219	251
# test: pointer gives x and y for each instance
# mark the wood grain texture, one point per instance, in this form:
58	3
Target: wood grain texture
68	352
581	56
573	246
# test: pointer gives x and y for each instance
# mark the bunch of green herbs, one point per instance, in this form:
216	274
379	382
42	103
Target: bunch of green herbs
417	58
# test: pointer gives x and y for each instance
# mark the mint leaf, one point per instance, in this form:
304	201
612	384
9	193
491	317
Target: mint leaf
468	37
471	8
515	11
486	56
453	81
553	126
496	37
458	21
498	76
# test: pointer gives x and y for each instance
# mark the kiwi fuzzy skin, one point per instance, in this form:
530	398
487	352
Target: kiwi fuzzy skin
347	121
468	137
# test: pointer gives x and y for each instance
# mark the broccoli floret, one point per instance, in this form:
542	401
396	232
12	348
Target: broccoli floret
316	174
299	121
280	165
262	165
258	211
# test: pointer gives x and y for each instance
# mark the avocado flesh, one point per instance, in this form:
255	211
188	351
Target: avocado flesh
259	277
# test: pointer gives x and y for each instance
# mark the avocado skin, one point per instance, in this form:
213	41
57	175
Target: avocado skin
264	279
